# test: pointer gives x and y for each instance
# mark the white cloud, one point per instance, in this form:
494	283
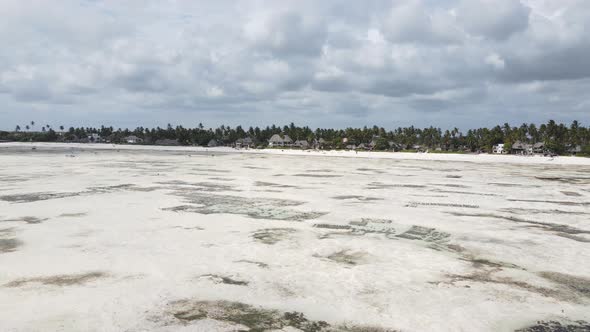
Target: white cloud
413	21
215	92
495	61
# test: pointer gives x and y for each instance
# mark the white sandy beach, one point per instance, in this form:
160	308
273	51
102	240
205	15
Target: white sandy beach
483	158
98	237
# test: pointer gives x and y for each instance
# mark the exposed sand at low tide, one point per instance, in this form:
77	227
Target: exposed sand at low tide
124	238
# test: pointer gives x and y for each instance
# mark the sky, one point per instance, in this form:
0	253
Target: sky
445	63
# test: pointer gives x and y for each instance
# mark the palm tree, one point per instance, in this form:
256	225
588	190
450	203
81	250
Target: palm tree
17	128
61	128
27	127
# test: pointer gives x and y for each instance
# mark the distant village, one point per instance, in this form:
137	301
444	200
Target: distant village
547	139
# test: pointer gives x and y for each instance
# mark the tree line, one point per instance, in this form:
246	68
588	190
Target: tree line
559	138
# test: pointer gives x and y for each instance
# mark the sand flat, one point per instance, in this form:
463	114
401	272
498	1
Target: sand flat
125	238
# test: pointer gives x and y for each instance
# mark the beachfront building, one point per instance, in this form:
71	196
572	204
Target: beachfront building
281	141
539	148
247	142
275	140
574	149
521	148
418	148
287	141
394	146
95	138
372	144
301	144
498	148
133	139
212	143
319	143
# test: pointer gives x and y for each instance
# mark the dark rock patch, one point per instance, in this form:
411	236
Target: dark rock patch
379	185
539	211
317	175
571	193
487	276
425	234
259	264
325	170
512	185
272	235
577	284
73	215
463	192
212	170
28	220
568	180
221	179
574	237
272	185
199	186
34	197
359	227
566	203
9	245
550	227
332	226
43	196
555	326
255	319
60	280
187	228
348	257
450	185
370	170
468	206
479	263
357	198
225	280
254	167
257	208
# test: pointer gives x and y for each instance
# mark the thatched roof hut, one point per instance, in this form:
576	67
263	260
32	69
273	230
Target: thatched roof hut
277	140
302	144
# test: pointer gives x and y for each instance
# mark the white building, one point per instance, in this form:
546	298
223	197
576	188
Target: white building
94	138
133	139
498	148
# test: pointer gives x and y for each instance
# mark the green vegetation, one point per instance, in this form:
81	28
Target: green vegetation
558	138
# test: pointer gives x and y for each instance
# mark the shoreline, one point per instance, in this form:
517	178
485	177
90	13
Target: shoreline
477	158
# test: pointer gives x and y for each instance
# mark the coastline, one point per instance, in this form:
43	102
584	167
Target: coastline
477	158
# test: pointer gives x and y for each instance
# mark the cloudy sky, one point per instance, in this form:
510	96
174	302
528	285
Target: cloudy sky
464	63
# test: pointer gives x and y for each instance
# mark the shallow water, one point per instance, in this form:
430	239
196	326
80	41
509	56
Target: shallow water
166	240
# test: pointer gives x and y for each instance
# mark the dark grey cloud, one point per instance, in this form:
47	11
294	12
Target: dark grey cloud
569	63
145	62
495	19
